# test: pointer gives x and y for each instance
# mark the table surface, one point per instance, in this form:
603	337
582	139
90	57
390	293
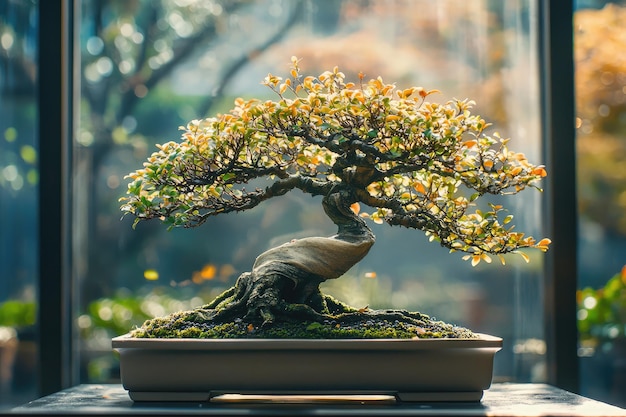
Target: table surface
501	400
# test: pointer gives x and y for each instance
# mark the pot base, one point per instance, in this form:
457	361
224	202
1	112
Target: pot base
307	397
403	370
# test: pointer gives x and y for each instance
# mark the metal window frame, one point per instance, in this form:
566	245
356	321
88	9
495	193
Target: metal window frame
556	51
56	97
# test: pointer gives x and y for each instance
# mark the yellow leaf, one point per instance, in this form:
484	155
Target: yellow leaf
502	260
151	274
371	274
485	258
488	164
524	256
475	260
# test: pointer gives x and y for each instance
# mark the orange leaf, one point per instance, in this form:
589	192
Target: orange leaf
544	242
355	207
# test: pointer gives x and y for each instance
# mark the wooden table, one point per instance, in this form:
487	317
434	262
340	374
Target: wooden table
501	400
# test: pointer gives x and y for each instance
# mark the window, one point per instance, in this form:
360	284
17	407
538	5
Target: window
601	152
148	68
19	157
141	69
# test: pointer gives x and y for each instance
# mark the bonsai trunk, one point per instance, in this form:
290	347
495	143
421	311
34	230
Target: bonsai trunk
287	278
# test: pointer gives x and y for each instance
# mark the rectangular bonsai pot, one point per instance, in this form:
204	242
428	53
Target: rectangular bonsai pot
409	370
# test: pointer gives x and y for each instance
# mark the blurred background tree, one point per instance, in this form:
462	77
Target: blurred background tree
129	51
600	62
18	150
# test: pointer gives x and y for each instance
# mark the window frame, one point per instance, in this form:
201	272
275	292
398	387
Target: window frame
57	95
55	103
556	64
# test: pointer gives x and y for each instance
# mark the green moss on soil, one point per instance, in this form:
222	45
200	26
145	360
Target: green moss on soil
369	324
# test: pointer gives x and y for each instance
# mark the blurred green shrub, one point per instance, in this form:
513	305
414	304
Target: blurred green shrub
602	312
15	313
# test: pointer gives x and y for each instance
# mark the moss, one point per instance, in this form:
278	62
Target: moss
350	324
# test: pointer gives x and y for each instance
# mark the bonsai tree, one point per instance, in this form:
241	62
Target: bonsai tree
413	163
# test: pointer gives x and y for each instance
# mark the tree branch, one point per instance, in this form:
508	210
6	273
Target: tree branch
233	68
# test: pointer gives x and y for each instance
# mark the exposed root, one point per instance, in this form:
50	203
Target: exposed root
301	321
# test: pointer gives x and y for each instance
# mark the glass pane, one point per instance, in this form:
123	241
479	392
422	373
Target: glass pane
149	67
18	201
600	42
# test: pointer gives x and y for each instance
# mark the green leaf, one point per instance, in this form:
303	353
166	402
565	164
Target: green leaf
134	187
147	203
228	176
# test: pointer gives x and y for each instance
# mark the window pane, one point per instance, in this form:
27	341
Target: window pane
18	201
149	67
600	42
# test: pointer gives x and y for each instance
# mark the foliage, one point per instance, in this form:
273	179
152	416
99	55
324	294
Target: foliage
14	313
417	164
602	312
601	110
124	311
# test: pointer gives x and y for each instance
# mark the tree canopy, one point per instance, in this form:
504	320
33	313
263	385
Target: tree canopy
414	163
